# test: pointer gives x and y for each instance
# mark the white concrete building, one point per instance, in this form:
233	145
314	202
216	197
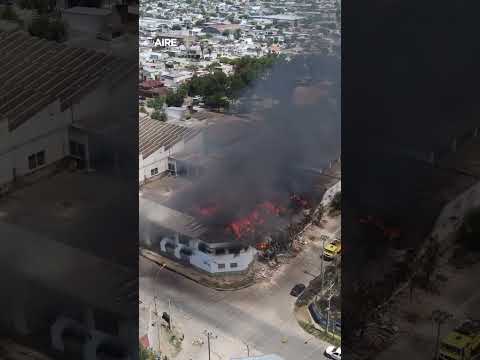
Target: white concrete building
158	141
46	91
179	236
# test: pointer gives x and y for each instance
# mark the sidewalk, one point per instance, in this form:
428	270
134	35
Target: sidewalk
217	282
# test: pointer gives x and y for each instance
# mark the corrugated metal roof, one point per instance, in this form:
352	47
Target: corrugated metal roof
170	219
154	134
35	73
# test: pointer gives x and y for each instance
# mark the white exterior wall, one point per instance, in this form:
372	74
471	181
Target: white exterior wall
6	174
209	262
141	174
87	23
159	160
202	261
45	131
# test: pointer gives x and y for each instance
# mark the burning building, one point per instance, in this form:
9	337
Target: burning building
180	236
249	182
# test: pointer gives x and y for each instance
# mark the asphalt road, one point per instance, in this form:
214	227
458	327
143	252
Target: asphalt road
260	316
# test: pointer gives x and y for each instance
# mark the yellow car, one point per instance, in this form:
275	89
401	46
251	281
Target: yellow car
463	343
332	249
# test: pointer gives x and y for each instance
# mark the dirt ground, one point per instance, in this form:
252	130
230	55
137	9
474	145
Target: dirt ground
417	332
453	291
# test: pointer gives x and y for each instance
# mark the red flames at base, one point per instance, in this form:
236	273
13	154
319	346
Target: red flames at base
246	225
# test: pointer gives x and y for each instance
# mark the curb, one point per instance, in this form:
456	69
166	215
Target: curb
146	256
311	322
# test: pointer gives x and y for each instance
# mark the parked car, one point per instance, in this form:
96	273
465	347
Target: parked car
297	290
333	352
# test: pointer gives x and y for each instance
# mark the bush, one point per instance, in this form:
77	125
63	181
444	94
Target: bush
336	203
174	98
42	6
9	14
156	103
470	230
146	354
159	115
48	28
217	101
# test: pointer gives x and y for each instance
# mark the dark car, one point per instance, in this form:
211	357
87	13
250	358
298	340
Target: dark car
297	290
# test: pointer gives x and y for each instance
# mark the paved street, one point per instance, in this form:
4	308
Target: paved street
260	316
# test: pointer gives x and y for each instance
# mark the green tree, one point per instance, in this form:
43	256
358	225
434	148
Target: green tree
174	98
41	6
57	30
217	101
9	14
159	115
237	34
48	28
156	102
336	203
470	230
146	354
236	86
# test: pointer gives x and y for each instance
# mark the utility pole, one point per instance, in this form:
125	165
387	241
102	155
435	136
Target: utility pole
157	322
439	317
208	342
330	295
209	335
321	264
248	348
170	314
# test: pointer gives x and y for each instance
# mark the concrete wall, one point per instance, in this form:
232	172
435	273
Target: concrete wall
87	23
46	131
243	261
159	159
210	262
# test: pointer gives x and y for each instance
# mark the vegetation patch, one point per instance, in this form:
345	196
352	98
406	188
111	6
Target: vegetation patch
322	335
